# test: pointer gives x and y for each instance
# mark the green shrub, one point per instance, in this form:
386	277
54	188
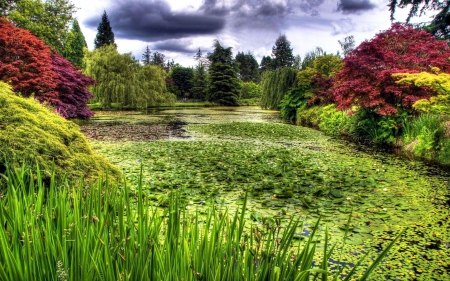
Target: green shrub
309	116
426	135
293	100
31	133
334	122
250	90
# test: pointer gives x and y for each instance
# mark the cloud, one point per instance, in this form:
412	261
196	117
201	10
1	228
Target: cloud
354	6
311	6
153	21
342	26
175	45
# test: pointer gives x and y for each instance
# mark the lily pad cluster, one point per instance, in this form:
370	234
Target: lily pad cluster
364	199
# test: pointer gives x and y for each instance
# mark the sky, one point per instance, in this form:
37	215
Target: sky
178	28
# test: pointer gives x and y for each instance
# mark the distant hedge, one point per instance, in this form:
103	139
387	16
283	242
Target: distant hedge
32	133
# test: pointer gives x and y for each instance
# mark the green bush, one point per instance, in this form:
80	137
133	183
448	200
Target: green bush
30	133
250	90
309	116
334	122
293	101
426	137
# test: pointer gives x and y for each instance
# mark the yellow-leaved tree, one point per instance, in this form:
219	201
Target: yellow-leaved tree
439	82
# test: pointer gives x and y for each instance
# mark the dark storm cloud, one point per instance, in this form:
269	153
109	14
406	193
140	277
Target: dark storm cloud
177	46
354	6
154	20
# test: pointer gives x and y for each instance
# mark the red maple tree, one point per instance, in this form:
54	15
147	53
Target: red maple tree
33	70
25	62
72	88
366	78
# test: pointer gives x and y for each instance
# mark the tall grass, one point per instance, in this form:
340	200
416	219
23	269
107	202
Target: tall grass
58	232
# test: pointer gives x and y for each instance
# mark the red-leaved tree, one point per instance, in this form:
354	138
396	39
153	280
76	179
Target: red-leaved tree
366	78
31	68
72	88
25	62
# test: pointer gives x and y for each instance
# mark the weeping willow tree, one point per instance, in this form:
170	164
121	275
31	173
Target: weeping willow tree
122	80
275	84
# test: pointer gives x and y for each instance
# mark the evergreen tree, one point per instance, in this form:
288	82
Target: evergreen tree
266	64
200	83
74	47
105	35
182	77
248	68
146	56
224	85
158	59
282	53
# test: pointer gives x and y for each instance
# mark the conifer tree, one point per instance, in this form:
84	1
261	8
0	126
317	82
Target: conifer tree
74	47
200	83
282	53
224	85
248	68
105	35
146	56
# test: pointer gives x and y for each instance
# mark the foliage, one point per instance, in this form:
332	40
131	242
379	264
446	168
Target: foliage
366	78
248	68
200	83
425	136
121	79
292	101
28	66
105	35
439	104
72	89
439	26
275	84
282	53
368	126
183	80
223	81
48	20
75	45
266	64
250	90
334	122
347	45
33	71
146	56
158	59
309	116
32	134
308	61
107	233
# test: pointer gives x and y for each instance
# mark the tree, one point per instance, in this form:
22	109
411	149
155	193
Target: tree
440	82
224	84
182	77
366	79
121	79
25	62
347	45
48	20
200	83
311	56
105	35
31	68
248	68
275	84
201	59
266	64
439	26
158	59
72	89
146	56
282	53
75	45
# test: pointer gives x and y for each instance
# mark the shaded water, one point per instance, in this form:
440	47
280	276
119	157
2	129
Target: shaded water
287	173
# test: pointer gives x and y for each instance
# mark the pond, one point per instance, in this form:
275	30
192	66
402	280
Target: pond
213	156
